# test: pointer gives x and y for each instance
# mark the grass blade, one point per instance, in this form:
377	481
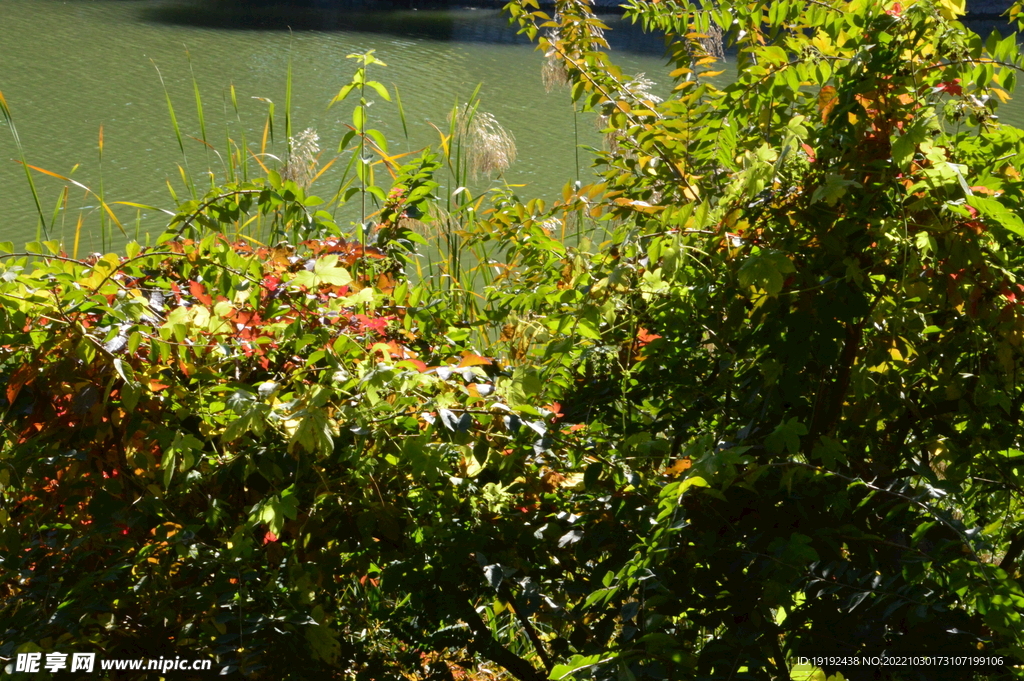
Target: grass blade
6	111
78	234
143	206
202	118
44	171
257	159
401	110
323	169
288	105
199	100
103	218
243	160
62	201
268	127
177	129
173	194
113	218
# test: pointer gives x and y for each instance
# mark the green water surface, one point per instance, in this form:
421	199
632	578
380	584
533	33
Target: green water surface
66	68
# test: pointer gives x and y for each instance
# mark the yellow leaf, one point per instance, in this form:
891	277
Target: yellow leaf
101	271
951	9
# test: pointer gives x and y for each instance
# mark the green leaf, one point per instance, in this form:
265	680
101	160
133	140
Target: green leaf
323	643
834	188
774	54
578	663
765	270
167	463
253	420
130	394
905	145
378	139
786	437
342	94
997	212
325	271
379	87
795	551
829	451
313	433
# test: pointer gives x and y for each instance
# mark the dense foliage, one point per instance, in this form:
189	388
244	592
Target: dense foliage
775	413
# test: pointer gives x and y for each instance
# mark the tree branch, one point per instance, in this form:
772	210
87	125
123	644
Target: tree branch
505	592
483	643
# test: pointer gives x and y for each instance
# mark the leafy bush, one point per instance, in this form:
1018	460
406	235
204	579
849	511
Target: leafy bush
775	414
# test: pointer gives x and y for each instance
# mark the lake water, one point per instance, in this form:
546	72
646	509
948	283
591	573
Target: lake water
66	68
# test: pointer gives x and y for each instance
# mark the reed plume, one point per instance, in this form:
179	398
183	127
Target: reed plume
302	158
553	73
489	147
713	42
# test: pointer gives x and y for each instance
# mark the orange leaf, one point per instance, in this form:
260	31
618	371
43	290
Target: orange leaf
827	100
416	364
678	467
471	360
21	376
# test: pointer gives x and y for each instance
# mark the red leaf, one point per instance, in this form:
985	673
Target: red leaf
644	337
270	282
810	153
369	324
199	291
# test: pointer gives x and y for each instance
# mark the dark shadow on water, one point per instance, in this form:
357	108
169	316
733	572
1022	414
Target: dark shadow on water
486	24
